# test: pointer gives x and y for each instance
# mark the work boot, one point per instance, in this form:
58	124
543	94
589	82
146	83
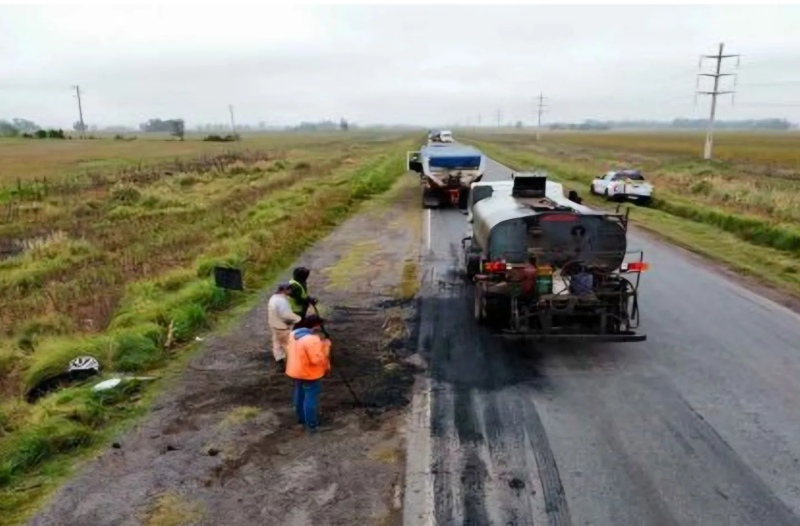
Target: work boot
322	428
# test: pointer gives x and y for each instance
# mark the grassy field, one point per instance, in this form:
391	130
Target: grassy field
742	208
116	262
33	159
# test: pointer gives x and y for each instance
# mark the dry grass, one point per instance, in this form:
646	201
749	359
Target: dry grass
25	159
122	264
409	283
386	453
394	326
75	254
171	509
240	415
353	264
756	174
767	149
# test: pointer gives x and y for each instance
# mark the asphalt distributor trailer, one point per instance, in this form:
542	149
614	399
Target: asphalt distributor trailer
446	172
547	268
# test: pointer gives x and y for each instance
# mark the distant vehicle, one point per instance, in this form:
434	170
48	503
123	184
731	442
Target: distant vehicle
544	267
440	136
622	185
446	172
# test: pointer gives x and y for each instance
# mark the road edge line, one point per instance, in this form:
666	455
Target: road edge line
418	498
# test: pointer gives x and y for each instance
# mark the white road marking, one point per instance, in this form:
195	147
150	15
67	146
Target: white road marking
428	228
418	498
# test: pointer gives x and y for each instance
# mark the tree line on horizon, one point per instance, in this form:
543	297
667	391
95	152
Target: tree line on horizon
19	127
678	124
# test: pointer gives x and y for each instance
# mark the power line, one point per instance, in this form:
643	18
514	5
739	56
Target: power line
714	94
539	116
772	104
80	109
774	83
233	122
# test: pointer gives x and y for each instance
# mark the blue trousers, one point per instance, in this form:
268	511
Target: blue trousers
305	397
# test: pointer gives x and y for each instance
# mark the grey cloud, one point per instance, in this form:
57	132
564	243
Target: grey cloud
413	64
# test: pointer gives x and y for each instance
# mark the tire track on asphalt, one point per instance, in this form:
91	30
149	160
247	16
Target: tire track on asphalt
552	488
484	469
514	490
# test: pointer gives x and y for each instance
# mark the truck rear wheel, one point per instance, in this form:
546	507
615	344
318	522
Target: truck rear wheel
478	311
473	264
497	312
463	198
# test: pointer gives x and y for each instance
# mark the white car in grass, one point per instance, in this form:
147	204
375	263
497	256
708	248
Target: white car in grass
623	185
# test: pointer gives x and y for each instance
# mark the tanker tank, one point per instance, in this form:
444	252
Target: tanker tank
528	236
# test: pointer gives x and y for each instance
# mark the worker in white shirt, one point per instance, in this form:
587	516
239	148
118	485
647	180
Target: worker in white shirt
281	319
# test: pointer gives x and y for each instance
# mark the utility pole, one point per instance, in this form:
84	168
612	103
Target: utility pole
499	116
539	116
479	120
80	109
233	123
714	94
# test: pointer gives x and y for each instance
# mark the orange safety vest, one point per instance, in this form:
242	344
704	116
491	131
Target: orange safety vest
307	355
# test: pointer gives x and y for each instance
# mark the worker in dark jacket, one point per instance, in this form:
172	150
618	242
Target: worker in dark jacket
298	296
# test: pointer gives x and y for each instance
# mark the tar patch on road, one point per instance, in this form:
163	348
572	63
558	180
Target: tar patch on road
465	418
516	483
473	477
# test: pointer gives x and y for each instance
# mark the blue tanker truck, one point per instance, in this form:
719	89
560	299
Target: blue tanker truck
446	173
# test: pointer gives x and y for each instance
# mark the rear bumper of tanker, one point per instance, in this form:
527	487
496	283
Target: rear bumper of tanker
622	337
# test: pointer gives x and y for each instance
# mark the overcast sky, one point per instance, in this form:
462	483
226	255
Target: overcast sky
413	64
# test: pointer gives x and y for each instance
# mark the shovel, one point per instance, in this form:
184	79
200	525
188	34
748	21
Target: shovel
341	376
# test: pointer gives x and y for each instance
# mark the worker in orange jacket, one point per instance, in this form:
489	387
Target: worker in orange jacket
307	361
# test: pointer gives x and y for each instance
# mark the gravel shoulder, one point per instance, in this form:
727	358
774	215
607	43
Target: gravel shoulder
219	446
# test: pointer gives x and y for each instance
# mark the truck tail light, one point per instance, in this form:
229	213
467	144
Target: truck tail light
495	266
637	266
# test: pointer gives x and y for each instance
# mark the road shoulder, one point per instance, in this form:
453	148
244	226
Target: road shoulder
220	446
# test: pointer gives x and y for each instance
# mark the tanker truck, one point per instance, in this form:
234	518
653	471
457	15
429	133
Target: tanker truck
546	268
446	173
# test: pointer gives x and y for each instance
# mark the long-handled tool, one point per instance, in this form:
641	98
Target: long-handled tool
339	372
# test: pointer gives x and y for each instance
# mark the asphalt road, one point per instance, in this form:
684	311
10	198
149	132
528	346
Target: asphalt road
700	424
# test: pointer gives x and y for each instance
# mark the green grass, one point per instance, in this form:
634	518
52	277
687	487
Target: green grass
754	245
151	317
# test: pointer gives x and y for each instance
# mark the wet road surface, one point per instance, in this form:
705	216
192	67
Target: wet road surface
700	424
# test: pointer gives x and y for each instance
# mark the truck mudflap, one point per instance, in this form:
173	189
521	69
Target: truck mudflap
434	196
430	198
621	337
